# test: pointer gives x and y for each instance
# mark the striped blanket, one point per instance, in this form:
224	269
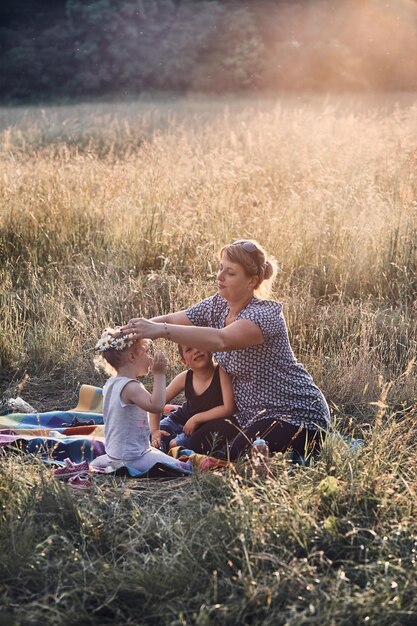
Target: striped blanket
76	434
55	435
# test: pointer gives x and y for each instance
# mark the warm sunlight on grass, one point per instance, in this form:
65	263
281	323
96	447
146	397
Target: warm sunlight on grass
113	210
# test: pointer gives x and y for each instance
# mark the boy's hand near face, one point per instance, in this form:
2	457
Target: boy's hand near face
192	424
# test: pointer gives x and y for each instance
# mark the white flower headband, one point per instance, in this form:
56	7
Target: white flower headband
108	341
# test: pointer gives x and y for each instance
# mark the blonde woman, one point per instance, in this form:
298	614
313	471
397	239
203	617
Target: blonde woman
275	396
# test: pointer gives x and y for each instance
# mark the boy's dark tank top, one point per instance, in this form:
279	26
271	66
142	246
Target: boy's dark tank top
210	398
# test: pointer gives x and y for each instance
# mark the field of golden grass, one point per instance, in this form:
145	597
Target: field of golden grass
114	210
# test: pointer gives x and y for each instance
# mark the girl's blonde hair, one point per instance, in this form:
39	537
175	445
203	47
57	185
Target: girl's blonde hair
254	261
111	350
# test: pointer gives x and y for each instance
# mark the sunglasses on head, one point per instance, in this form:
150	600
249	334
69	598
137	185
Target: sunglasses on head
248	246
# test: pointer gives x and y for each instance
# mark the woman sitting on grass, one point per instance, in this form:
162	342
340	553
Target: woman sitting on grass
126	402
275	396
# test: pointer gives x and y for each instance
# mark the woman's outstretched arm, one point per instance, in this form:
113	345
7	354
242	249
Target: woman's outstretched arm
179	317
239	334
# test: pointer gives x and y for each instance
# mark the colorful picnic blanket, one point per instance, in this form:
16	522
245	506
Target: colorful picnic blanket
77	434
54	435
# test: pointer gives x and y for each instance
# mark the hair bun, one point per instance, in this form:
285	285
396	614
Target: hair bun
269	270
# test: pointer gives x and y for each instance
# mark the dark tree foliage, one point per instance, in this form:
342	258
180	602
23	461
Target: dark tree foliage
77	48
17	13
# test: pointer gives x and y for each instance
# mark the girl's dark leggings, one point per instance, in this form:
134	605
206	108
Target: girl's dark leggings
225	435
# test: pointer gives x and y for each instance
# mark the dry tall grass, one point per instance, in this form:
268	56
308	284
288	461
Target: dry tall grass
109	211
113	210
334	543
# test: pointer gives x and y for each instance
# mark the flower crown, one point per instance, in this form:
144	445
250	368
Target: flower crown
108	341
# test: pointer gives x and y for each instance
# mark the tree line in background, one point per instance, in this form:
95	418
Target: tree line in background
125	47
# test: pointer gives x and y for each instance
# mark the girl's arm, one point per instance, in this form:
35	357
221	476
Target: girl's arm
222	410
239	334
174	388
156	433
135	393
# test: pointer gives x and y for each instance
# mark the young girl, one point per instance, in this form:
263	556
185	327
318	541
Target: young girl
208	393
126	402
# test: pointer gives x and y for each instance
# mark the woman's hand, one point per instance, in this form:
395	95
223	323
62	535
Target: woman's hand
141	328
160	363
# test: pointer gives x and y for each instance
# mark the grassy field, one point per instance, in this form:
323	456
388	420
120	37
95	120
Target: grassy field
114	210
